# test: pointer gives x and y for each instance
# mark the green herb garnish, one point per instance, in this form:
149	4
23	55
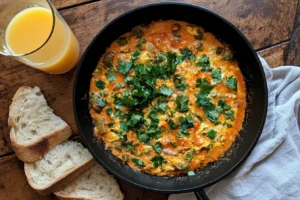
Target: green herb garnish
211	134
191	173
129	146
124	67
172	125
216	75
189	156
111	76
109	111
158	161
229	115
157	147
182	103
204	63
138	162
231	82
165	90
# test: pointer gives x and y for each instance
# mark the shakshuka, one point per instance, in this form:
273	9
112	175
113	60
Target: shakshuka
167	98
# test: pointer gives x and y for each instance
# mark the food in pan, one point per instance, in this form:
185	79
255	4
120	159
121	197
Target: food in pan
167	98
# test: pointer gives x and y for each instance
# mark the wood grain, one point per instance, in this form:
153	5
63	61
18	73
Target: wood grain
133	193
58	4
275	56
294	48
13	182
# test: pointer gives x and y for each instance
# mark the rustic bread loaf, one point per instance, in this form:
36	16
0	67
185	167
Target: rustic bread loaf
35	129
58	167
93	184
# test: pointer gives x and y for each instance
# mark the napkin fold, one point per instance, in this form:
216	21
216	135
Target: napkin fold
272	171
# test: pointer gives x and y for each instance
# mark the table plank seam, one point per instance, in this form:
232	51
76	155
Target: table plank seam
273	45
77	5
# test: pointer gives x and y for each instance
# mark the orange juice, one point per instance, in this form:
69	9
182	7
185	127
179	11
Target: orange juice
31	28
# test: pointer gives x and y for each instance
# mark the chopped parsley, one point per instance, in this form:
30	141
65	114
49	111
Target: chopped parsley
109	111
172	125
211	134
165	90
138	162
111	76
162	107
191	173
216	75
204	86
158	161
142	137
173	144
229	115
100	103
124	67
180	83
126	100
185	54
139	46
214	94
184	166
157	147
182	103
135	55
231	82
189	155
129	146
185	123
227	124
204	63
222	106
135	118
208	106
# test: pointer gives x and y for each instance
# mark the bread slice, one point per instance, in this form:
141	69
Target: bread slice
58	167
93	184
35	129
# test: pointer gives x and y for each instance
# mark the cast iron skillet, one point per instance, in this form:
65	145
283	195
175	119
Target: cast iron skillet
250	67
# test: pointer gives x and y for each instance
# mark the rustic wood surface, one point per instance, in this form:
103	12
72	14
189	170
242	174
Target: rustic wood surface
272	26
59	4
276	55
294	49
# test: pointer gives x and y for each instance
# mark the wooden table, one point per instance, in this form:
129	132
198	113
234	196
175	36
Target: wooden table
272	26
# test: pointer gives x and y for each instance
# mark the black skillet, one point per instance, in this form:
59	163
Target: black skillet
249	64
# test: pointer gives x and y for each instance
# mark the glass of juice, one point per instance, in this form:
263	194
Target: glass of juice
34	33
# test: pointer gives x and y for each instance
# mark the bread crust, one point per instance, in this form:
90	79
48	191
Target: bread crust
36	150
61	180
31	152
63	196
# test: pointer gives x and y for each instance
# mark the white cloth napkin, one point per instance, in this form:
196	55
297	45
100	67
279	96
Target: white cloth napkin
272	171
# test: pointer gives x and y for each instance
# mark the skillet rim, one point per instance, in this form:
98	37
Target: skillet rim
234	167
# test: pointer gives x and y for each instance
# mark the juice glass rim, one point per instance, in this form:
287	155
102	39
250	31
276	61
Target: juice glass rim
12	54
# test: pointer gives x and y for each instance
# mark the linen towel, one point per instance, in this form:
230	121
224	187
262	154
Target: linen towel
272	171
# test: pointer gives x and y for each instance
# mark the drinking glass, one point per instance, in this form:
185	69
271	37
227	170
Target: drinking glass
34	33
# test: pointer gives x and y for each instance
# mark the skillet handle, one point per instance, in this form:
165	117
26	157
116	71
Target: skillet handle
201	195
